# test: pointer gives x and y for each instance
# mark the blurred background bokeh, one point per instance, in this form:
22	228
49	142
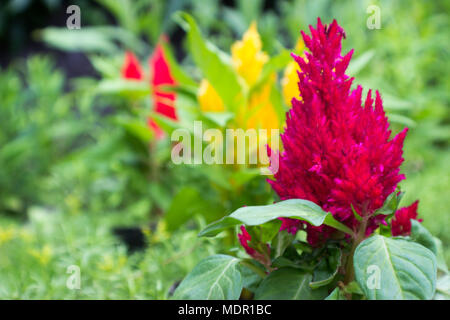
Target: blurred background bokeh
86	179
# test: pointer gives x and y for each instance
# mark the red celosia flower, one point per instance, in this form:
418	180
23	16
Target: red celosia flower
244	238
263	257
401	223
131	68
164	101
161	76
337	153
290	225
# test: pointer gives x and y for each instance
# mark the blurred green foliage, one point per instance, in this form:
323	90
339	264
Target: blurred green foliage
77	158
39	131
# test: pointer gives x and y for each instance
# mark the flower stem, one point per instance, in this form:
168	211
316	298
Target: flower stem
350	270
254	268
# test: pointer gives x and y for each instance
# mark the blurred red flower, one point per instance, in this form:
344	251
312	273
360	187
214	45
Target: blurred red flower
164	102
131	68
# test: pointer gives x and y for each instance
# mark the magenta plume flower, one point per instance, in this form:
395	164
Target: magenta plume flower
244	239
262	255
337	150
401	223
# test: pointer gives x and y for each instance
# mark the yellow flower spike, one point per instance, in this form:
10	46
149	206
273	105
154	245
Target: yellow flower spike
208	98
289	82
247	57
262	112
299	46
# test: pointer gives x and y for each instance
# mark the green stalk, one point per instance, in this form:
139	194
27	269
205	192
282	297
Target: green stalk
360	236
254	268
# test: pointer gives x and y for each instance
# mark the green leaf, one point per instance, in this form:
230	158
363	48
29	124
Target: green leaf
327	269
125	87
422	236
281	242
266	232
215	278
251	274
391	203
288	284
101	39
256	215
355	214
403	120
336	294
441	264
283	262
332	222
443	288
219	118
353	288
214	64
395	269
275	64
175	69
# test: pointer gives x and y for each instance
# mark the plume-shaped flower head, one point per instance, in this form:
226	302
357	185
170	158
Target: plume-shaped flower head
337	149
164	102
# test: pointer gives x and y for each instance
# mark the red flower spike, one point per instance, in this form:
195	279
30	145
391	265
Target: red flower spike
401	223
161	76
131	68
337	152
244	238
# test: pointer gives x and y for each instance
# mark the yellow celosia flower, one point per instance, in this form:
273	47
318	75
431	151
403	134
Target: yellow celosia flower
248	59
289	82
43	256
208	98
262	112
299	46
